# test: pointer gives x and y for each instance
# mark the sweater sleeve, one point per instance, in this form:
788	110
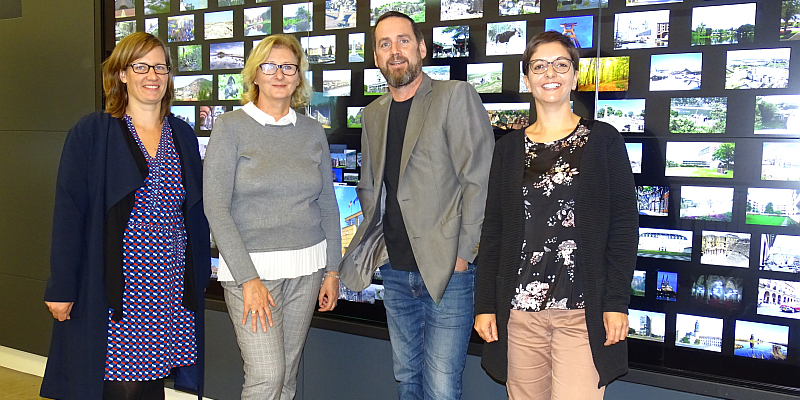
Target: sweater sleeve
219	174
486	275
329	208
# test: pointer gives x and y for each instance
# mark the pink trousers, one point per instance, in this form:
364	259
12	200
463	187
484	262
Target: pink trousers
549	357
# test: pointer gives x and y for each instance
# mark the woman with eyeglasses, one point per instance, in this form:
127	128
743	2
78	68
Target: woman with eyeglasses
130	255
558	245
274	216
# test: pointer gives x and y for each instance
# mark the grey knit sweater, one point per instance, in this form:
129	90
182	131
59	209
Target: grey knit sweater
269	188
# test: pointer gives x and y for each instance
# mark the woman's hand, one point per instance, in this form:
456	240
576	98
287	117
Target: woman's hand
329	292
60	310
616	327
257	300
486	326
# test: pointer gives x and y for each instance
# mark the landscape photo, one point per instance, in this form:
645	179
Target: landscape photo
229	87
504	38
780	253
123	28
319	49
508	116
192	87
777	114
579	29
340	14
180	28
728	249
321	109
649	2
226	55
717	291
700	159
778	298
257	21
702	333
486	77
374	82
773	207
297	17
156	6
573	5
676	71
228	3
609	74
519	7
653	200
450	41
646	325
707	203
698	114
218	25
413	8
336	82
641	30
626	115
667	286
437	72
757	69
725	24
638	283
761	341
355	47
665	243
125	8
190	58
790	20
460	9
635	156
191	5
780	162
354	117
184	113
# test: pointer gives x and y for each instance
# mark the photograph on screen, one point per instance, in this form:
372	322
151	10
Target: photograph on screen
717	291
319	49
151	26
214	267
790	20
522	87
437	72
229	87
778	298
156	6
779	161
450	41
726	24
613	73
123	28
350	216
355	47
706	203
190	58
780	253
579	29
696	332
350	158
184	113
228	3
191	5
338	175
180	28
635	156
773	207
336	82
700	159
321	109
667	286
777	115
646	325
626	115
519	7
192	87
638	283
460	9
338	155
649	2
665	243
728	249
653	200
486	77
226	55
675	71
508	116
257	21
572	5
218	25
202	142
125	8
209	114
340	14
374	82
354	117
351	177
369	295
641	30
297	17
757	69
762	341
698	114
413	8
505	38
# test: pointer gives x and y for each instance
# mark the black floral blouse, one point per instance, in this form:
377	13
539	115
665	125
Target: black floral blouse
546	276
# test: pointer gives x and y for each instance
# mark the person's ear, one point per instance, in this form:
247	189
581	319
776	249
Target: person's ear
122	77
527	83
423	50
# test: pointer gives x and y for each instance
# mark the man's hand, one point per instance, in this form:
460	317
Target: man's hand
461	264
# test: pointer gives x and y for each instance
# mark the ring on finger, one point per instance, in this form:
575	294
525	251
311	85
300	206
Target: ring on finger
253	312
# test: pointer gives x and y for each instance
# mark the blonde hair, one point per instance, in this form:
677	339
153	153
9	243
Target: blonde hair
302	94
129	49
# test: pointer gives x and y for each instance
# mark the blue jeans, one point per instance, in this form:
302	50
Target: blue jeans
429	340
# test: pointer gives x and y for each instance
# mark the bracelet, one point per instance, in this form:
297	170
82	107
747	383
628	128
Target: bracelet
330	274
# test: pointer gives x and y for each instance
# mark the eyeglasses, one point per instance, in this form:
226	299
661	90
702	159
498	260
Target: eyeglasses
560	65
142	68
272	68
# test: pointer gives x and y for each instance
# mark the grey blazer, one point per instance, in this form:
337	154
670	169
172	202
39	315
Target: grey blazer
444	170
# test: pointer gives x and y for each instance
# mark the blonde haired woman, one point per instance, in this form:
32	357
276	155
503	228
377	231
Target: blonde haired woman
274	216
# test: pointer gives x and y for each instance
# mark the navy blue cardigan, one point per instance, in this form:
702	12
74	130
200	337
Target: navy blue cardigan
100	170
607	220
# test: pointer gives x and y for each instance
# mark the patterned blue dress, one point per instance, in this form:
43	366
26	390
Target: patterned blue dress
156	333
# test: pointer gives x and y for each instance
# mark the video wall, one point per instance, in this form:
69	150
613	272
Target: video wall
705	92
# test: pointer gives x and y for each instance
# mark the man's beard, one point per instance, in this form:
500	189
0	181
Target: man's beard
399	79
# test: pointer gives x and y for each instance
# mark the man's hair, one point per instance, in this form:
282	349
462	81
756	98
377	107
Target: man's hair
302	94
550	37
397	14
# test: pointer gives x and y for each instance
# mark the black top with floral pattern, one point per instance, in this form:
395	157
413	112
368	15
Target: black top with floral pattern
546	276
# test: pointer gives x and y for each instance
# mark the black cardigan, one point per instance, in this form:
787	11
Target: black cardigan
607	221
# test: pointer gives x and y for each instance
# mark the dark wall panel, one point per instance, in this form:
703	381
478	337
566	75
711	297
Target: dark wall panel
26	322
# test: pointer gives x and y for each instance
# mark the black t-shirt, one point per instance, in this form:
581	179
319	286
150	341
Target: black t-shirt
394	229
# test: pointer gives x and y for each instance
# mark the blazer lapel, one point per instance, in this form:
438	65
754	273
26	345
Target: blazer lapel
419	107
378	141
